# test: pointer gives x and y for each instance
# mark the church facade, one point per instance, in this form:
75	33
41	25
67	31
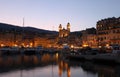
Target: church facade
63	37
64	32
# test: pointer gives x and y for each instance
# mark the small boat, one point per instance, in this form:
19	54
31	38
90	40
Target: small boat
116	49
9	50
5	50
39	50
29	51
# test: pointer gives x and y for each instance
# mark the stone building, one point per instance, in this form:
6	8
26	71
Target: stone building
88	38
16	39
64	32
108	31
65	37
11	35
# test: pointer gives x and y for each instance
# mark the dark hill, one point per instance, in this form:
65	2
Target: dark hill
10	28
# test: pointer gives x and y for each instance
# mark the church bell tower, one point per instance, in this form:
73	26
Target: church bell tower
60	30
68	27
60	27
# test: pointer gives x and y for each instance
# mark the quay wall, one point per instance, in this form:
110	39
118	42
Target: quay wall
100	58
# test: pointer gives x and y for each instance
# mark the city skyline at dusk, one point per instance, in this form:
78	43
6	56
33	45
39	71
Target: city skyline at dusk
59	38
48	14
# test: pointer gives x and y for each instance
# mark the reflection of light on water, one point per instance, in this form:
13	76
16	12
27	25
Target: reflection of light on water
1	60
63	66
26	59
68	72
35	59
32	66
46	58
66	65
56	55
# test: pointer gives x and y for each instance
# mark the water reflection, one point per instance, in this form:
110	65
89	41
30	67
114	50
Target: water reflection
96	70
48	65
8	63
63	66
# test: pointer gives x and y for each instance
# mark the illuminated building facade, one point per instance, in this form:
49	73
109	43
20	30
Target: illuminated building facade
89	38
11	39
64	32
11	35
68	38
108	31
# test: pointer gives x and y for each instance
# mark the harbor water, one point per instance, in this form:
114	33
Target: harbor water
52	65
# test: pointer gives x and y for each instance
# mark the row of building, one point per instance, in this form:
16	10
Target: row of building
107	32
11	35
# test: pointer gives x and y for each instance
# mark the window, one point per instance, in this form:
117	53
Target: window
118	31
104	37
113	31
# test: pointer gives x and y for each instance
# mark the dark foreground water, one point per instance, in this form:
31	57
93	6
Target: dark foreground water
53	66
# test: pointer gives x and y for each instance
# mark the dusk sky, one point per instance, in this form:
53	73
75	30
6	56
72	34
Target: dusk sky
48	14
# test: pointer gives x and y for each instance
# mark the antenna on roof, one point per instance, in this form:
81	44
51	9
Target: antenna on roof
53	28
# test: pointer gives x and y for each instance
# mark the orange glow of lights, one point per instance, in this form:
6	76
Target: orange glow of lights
31	44
72	46
107	45
27	46
99	46
2	45
15	45
85	45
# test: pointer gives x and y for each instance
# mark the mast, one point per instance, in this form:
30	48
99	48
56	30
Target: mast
23	23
